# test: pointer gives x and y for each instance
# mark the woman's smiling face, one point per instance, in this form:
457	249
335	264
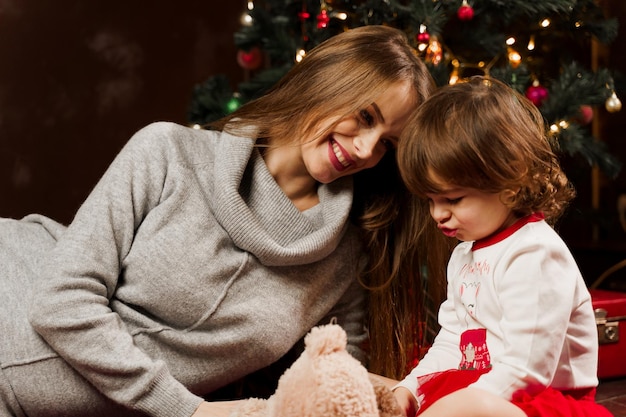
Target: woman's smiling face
359	141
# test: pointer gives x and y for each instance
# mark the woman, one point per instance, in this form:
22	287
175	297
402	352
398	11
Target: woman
203	256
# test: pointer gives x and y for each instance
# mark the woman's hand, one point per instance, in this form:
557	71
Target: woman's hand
216	409
407	401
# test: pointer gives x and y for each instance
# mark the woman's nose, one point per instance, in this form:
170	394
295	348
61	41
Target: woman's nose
366	145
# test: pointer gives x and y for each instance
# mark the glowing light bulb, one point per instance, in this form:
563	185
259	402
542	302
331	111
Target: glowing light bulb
246	20
514	57
300	53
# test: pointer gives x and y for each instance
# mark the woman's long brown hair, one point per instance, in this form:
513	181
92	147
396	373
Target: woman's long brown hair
406	274
344	74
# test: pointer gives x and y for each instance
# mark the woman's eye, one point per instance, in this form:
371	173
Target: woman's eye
389	144
366	117
454	200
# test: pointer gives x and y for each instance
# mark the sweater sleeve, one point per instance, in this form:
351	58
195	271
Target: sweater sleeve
349	313
71	308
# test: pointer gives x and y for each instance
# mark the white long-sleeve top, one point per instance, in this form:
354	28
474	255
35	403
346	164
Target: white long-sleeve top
517	303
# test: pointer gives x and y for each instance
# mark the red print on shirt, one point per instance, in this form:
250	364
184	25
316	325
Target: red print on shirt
474	349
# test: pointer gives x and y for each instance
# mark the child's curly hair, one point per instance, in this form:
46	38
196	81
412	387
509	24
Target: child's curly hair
483	134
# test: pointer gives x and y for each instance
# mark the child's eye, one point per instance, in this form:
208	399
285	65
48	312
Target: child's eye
454	200
367	117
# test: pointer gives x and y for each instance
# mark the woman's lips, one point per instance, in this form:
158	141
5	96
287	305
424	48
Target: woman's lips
339	157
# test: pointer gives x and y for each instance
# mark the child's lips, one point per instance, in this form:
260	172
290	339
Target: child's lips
448	232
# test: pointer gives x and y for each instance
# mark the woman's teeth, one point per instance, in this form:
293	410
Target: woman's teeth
339	155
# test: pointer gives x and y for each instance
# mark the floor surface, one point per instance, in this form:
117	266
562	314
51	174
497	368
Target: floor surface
612	394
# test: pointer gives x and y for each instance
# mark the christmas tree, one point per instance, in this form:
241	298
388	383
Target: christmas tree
541	48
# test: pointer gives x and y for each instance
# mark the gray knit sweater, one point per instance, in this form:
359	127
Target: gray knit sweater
185	269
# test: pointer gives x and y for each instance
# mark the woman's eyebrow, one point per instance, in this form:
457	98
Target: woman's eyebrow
377	110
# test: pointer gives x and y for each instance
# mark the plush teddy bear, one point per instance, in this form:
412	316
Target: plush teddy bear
325	381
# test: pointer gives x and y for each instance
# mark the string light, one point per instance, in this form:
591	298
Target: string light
454	75
246	17
531	43
514	57
246	20
434	52
300	53
556	128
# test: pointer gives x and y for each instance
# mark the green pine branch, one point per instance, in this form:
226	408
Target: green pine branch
557	62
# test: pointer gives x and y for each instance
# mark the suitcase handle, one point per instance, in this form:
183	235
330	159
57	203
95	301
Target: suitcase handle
608	327
608	272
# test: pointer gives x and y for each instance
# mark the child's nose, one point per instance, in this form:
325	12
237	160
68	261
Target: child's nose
439	213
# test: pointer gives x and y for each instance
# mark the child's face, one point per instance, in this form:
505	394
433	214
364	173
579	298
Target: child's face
359	141
468	214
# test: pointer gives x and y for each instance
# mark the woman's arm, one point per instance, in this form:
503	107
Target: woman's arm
71	309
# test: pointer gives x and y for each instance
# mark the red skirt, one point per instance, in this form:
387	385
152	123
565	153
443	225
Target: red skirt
547	402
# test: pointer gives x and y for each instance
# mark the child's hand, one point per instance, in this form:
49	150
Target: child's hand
407	401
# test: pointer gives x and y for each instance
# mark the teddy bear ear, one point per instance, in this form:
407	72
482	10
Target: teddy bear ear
326	339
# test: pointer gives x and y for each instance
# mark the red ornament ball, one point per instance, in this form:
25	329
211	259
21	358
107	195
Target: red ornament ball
250	59
585	114
465	12
423	37
537	94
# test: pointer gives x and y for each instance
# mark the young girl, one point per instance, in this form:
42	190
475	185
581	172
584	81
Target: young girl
518	335
204	256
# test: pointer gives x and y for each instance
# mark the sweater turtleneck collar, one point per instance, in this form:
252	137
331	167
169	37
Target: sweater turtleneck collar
258	216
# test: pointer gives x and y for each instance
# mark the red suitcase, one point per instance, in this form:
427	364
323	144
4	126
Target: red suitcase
610	310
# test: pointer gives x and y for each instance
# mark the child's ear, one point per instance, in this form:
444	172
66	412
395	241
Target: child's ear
507	197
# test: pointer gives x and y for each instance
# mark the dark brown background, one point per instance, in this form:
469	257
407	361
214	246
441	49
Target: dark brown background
78	78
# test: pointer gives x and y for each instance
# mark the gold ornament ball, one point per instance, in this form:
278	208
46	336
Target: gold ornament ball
613	104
